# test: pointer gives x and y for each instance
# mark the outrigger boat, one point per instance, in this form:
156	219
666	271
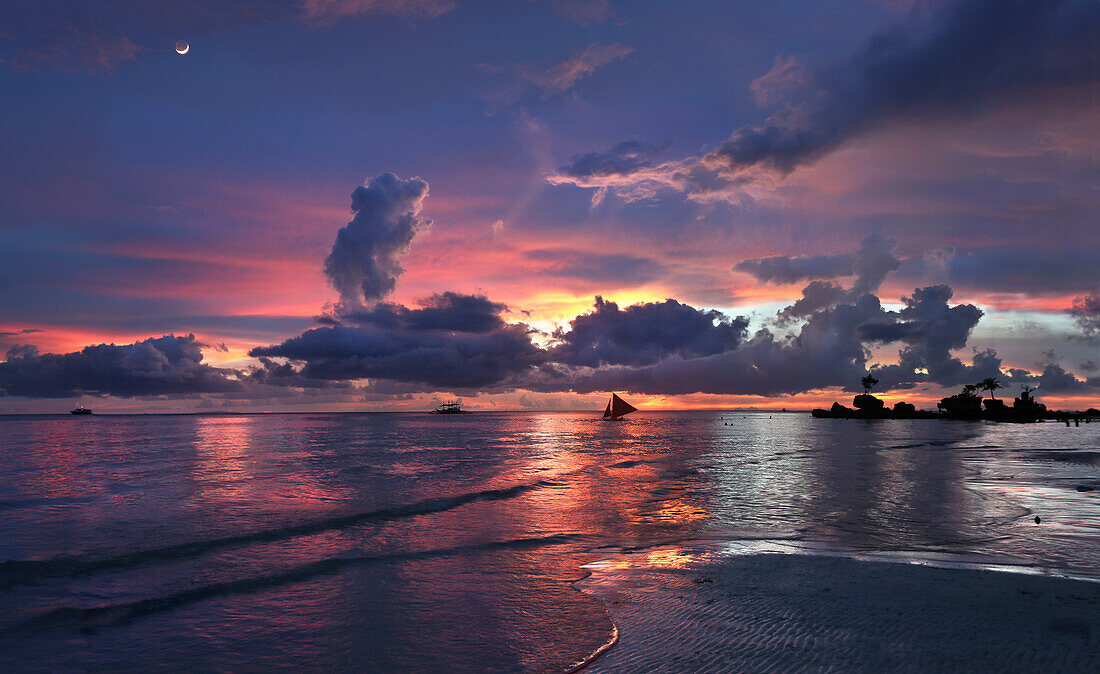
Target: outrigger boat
449	408
617	408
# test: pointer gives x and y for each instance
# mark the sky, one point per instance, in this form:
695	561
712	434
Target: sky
527	204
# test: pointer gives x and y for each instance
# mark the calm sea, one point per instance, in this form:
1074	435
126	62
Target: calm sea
410	541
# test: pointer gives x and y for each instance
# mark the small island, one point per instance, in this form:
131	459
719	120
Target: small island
966	405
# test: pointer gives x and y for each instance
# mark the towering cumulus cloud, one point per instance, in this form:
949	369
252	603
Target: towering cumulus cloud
364	263
981	52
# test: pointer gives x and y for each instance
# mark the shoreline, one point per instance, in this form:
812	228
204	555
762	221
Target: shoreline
764	608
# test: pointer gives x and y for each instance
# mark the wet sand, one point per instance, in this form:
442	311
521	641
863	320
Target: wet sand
794	612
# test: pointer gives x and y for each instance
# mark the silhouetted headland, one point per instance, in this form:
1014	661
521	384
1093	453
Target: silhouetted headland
967	405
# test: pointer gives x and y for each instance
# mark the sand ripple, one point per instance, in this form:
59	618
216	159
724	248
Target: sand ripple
790	613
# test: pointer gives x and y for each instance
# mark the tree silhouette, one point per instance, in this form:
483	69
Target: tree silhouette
969	389
868	383
990	385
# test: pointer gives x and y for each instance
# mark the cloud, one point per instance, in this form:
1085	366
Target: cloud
826	352
285	375
871	263
931	330
365	260
1055	379
1086	311
450	342
786	74
331	11
624	159
1020	268
166	365
462	342
583	12
630	171
607	270
978	53
783	269
516	81
446	311
816	296
563	75
644	334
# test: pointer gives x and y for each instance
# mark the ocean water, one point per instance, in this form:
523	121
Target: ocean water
394	542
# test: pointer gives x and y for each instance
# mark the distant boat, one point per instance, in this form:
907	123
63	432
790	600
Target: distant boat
80	410
617	408
449	408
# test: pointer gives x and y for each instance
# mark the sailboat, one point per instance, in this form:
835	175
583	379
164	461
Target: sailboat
617	408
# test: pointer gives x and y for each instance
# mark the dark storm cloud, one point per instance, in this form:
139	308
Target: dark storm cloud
166	365
608	269
816	296
623	159
827	352
643	334
452	342
272	373
1086	311
978	53
1055	379
930	329
364	262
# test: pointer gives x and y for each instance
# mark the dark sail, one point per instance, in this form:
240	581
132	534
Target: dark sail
617	408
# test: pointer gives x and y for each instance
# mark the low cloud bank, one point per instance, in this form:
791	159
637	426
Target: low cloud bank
451	341
460	342
168	365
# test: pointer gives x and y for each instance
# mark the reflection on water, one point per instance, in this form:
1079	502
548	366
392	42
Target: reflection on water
401	541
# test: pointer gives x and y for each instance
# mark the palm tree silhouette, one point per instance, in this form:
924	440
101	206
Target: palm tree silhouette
991	384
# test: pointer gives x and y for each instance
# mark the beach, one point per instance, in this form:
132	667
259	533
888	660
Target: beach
696	610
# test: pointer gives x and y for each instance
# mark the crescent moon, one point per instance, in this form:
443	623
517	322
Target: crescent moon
182	47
